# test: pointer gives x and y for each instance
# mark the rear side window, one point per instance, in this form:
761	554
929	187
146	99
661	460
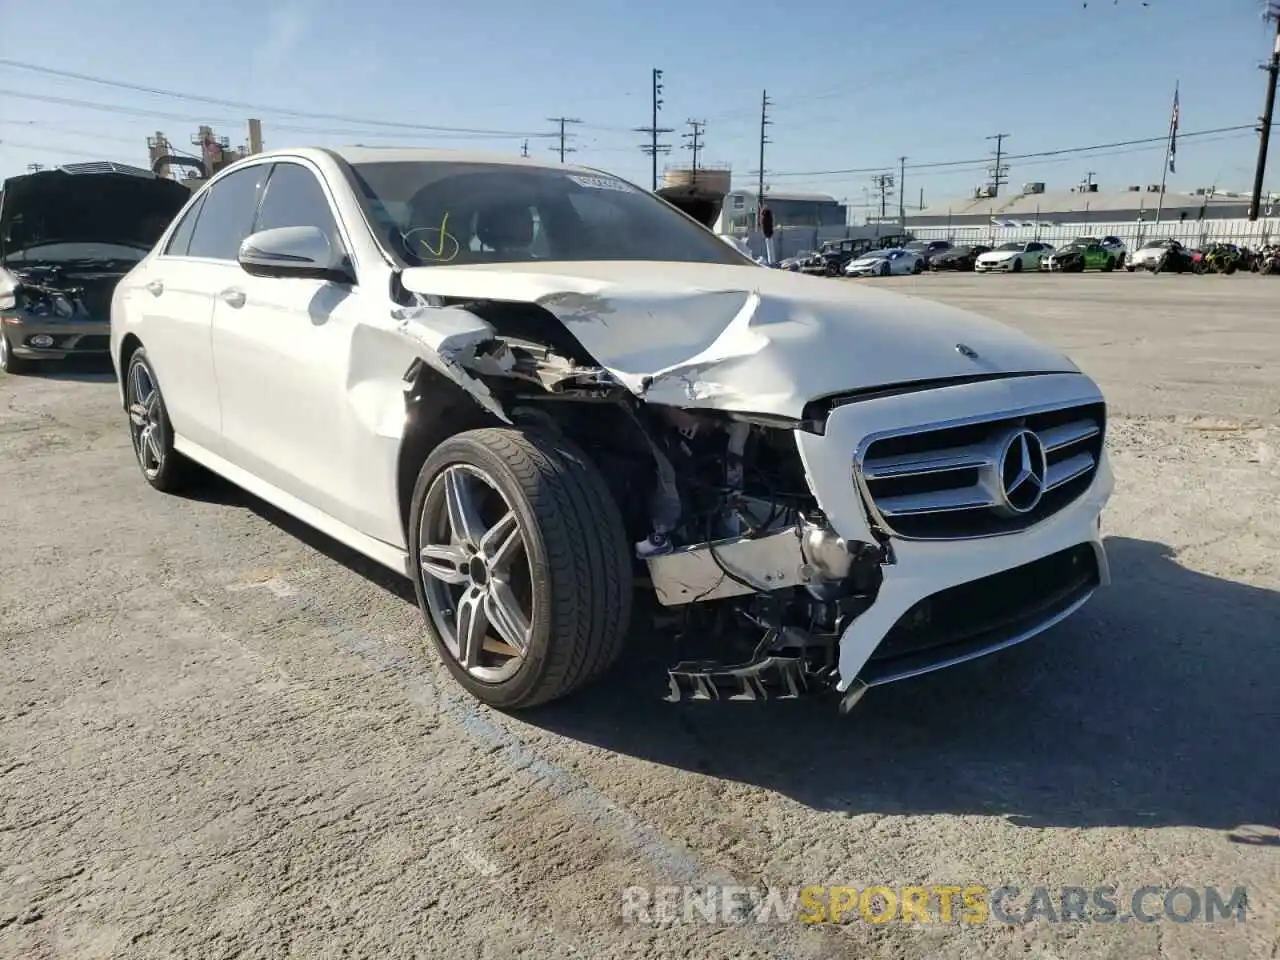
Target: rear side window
226	216
180	241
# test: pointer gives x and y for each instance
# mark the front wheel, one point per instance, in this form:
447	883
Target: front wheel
885	269
1109	265
1017	265
917	268
523	567
8	362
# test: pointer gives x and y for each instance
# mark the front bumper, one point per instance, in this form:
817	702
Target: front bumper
992	266
69	337
926	569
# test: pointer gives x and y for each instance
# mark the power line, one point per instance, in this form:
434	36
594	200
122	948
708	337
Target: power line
653	147
696	144
1268	109
999	174
764	123
562	148
255	108
982	161
152	114
884	183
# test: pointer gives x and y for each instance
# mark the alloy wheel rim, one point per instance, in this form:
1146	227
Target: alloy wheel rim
4	351
146	425
475	573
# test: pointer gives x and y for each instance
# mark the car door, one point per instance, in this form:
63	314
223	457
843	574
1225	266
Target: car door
281	345
174	296
1034	251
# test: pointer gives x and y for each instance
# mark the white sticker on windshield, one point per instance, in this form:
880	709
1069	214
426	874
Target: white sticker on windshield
601	183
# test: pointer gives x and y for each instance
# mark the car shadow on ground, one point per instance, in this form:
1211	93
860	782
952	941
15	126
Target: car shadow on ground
78	369
1154	706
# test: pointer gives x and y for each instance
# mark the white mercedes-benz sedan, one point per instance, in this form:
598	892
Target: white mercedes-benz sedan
540	392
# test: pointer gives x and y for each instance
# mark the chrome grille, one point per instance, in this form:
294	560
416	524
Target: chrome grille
951	480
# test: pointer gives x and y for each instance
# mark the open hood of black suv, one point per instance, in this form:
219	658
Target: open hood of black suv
57	206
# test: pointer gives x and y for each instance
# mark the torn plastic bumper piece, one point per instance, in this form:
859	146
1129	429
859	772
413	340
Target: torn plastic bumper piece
770	678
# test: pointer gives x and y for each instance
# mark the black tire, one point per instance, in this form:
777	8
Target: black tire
1109	265
10	364
170	471
917	268
1017	265
885	269
578	555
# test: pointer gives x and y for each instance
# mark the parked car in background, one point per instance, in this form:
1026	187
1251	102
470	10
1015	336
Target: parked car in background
795	263
834	256
961	257
1081	255
1150	253
884	263
928	249
489	375
67	236
1013	257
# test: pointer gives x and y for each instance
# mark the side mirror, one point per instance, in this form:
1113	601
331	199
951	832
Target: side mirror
293	252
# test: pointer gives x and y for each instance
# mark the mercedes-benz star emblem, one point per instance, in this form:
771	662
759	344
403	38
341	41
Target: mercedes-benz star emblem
1023	468
966	351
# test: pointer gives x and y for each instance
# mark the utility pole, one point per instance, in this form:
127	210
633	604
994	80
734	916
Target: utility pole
765	103
998	173
524	149
653	147
696	143
1268	108
884	183
563	149
35	167
902	191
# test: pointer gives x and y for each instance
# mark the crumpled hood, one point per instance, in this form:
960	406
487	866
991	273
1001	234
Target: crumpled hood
740	338
53	206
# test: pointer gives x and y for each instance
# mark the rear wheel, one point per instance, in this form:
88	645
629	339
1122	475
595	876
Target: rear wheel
1109	265
8	362
149	428
523	566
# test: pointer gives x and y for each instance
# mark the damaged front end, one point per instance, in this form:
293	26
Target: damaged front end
757	585
747	575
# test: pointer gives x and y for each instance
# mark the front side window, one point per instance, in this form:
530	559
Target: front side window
226	216
294	198
430	213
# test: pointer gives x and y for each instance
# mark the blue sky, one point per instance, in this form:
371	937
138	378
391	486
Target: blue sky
929	79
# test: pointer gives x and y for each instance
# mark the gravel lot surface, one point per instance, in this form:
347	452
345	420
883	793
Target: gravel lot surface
218	737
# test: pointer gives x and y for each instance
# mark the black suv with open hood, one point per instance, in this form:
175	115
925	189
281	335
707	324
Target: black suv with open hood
67	236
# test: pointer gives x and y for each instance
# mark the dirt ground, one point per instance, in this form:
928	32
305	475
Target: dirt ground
218	737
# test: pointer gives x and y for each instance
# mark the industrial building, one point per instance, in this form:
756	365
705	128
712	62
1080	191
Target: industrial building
1085	204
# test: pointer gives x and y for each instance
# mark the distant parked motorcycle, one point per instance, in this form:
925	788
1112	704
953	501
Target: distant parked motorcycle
1223	258
1267	260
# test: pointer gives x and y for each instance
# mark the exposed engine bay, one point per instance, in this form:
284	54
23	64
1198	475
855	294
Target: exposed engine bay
742	562
58	290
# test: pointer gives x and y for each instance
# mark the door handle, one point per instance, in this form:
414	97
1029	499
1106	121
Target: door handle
234	298
155	287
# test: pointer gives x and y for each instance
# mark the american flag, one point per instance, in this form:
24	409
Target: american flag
1173	131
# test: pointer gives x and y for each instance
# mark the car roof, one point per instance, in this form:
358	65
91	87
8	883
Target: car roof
362	154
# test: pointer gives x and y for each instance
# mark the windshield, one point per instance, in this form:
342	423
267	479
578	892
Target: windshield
917	245
47	252
433	213
1009	246
1155	244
